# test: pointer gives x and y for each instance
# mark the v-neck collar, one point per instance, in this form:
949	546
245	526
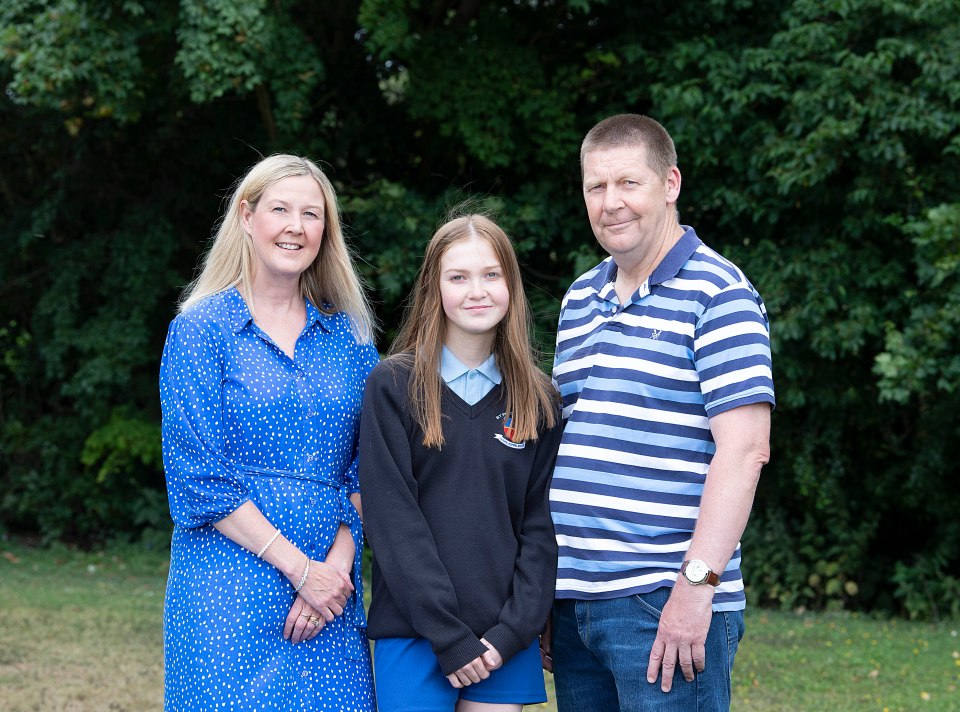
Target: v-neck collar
472	411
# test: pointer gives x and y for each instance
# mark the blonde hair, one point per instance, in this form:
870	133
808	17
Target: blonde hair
531	398
331	283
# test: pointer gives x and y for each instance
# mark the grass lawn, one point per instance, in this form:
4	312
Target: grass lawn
81	631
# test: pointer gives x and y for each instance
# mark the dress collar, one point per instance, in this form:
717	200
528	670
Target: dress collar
240	315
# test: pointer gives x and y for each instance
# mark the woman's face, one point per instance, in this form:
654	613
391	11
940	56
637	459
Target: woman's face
285	228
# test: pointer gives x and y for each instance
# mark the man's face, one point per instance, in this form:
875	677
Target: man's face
630	207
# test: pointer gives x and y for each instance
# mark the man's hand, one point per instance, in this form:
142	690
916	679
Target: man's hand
682	635
546	645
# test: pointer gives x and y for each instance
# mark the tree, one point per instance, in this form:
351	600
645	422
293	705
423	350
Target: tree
818	143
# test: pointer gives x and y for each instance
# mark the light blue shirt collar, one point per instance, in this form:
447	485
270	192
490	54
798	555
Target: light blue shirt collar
451	368
471	384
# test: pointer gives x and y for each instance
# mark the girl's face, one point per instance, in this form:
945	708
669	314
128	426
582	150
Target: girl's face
473	291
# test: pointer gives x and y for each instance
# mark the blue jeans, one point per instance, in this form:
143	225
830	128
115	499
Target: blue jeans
601	650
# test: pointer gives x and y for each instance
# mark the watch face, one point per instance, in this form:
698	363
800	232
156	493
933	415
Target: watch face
696	571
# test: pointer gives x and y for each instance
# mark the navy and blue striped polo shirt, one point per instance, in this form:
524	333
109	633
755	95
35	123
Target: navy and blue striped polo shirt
639	385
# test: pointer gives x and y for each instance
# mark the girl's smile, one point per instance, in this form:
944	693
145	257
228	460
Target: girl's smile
474	294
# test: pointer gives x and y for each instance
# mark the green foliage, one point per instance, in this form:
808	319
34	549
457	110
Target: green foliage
74	57
222	45
122	446
926	589
804	565
230	47
818	141
922	359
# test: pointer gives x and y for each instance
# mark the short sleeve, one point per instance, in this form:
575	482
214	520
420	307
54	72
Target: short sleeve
202	485
732	350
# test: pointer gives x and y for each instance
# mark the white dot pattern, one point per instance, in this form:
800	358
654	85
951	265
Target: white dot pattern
242	421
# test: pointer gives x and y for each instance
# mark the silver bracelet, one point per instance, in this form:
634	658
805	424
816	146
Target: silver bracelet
303	579
267	545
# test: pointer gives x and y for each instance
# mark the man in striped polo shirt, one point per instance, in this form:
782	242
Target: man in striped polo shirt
663	363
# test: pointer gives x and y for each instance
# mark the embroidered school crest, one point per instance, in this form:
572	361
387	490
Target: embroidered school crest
508	429
509	433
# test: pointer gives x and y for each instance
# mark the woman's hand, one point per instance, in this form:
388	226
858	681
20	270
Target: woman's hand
303	623
342	550
326	589
328	585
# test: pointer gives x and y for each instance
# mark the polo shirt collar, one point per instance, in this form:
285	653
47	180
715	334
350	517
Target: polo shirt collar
677	257
451	368
669	266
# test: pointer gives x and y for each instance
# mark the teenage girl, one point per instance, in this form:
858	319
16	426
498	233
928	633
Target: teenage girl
458	437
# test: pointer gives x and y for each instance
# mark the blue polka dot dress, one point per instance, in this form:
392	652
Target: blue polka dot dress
243	422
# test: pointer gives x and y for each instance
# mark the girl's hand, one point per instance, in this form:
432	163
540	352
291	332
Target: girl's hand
303	623
492	658
327	589
473	671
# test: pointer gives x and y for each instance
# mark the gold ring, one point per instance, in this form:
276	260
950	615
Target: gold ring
315	621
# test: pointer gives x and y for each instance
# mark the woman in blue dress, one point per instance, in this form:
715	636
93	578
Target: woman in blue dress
261	383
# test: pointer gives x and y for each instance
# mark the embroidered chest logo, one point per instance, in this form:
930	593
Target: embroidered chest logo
655	334
508	437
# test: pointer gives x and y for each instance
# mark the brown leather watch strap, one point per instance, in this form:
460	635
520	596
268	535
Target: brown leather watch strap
711	578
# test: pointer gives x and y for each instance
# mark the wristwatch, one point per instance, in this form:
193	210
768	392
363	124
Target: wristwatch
697	573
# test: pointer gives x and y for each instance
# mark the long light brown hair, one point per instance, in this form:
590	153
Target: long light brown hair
331	283
531	398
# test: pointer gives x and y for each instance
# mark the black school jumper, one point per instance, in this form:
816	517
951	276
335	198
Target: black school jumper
463	544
